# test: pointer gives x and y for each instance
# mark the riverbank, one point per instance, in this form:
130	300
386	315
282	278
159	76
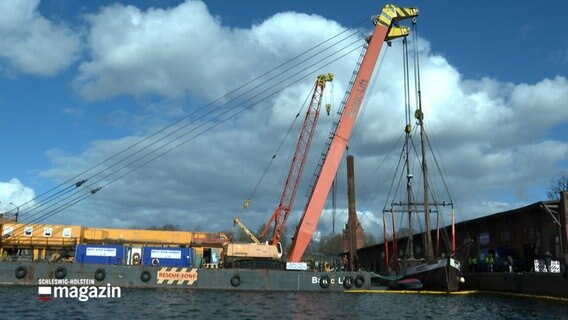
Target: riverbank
526	283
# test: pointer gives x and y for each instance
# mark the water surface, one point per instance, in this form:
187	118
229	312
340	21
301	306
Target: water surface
23	303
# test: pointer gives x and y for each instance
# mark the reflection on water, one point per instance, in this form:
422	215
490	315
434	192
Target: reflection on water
22	302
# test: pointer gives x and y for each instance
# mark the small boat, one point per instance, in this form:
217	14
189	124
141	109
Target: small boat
423	259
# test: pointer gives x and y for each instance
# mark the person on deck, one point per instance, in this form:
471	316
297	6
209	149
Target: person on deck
510	263
490	261
547	261
472	261
345	263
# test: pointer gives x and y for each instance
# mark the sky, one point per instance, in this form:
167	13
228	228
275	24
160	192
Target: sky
136	92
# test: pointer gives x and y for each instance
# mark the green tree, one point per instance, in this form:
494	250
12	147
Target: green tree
557	185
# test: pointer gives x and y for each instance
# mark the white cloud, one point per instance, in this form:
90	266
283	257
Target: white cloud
542	105
14	194
33	44
491	136
184	50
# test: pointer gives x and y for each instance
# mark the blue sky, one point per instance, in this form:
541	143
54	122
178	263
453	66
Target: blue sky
81	81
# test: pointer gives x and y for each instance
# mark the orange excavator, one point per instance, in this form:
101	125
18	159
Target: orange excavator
259	254
251	255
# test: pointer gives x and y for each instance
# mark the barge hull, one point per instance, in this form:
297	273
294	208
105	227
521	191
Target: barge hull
40	273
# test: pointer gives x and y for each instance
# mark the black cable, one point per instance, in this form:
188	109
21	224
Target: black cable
207	129
187	116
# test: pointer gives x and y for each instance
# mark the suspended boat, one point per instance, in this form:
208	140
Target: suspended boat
423	265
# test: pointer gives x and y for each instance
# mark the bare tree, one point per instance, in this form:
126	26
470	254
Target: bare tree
167	226
557	185
331	244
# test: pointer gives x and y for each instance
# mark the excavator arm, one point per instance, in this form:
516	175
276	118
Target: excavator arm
385	29
238	222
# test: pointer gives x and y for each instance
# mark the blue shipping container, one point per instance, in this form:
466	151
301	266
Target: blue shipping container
99	254
167	257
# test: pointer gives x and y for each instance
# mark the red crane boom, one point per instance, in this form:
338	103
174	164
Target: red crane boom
384	30
281	213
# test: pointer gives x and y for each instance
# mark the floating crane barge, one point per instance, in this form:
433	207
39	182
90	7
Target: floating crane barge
290	278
